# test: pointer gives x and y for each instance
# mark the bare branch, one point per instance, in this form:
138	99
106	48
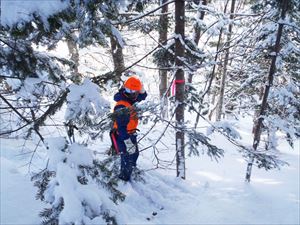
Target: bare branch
144	15
22	117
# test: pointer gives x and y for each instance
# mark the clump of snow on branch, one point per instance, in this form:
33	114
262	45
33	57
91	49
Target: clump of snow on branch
19	11
56	156
225	127
84	102
74	195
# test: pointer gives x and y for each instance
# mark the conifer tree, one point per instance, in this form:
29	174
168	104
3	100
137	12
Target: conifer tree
180	86
79	188
280	50
163	73
43	74
220	104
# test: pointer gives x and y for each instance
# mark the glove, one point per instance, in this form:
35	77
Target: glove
130	147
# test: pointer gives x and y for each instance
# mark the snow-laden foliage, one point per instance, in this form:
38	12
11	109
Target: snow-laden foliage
85	101
283	106
49	24
252	50
25	52
86	107
76	186
164	56
224	126
33	85
13	13
198	142
284	115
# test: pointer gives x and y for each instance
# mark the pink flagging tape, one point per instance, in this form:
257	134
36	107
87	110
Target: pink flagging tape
174	85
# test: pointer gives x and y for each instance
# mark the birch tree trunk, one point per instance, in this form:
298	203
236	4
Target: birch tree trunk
73	50
269	83
163	74
219	110
180	88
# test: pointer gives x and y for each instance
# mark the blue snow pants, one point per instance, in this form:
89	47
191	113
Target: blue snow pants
128	161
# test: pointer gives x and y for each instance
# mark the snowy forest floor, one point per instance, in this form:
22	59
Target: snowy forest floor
213	193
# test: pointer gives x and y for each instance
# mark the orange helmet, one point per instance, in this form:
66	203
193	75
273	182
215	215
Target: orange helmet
133	83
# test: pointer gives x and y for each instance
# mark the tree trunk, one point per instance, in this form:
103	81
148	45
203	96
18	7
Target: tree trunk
73	50
118	58
264	104
219	110
197	33
180	88
197	28
163	74
257	110
209	83
212	76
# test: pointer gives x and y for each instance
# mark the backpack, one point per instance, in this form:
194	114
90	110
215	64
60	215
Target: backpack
114	149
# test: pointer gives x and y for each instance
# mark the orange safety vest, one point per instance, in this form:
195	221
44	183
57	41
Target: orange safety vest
133	121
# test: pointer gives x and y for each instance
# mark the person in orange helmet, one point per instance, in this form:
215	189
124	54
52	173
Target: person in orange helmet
123	134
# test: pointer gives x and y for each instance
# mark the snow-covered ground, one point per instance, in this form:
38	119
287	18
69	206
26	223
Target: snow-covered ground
213	193
18	204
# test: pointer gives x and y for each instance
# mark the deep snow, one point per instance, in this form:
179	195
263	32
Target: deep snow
213	193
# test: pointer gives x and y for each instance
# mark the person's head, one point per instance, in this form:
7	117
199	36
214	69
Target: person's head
132	87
